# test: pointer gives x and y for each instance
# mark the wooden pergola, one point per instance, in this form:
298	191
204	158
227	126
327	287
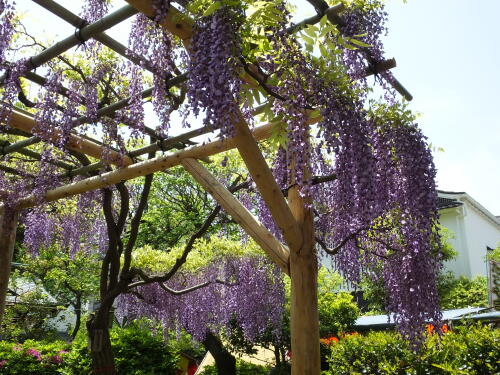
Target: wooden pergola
296	257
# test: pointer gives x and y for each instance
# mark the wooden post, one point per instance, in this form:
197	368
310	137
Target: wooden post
304	326
8	225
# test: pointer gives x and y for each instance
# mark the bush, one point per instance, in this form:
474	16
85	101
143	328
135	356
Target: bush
32	357
242	368
139	349
337	313
473	350
456	293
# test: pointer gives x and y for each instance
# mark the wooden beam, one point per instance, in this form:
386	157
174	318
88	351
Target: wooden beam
27	124
267	185
8	226
142	168
146	167
260	234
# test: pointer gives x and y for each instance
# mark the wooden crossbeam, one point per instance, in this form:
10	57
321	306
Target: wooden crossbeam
75	143
260	234
83	34
143	168
78	22
149	166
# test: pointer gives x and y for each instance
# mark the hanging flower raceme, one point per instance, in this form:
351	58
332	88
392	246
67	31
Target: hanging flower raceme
247	290
214	83
79	230
366	23
11	88
94	10
379	213
7	12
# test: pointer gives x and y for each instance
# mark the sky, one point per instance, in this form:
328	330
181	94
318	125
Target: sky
447	58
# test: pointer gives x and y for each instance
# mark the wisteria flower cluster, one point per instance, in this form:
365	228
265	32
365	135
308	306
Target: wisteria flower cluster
214	83
248	290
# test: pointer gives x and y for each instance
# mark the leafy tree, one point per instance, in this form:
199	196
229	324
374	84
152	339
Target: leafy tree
460	292
70	281
27	317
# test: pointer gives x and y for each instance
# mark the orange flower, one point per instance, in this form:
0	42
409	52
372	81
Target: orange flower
329	340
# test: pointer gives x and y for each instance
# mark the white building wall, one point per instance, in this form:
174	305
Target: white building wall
481	232
453	220
474	228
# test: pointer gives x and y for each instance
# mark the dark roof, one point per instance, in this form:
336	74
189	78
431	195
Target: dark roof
447	203
451	192
381	322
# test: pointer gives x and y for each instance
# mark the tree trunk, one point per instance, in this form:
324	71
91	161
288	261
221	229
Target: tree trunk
225	362
78	315
103	361
304	280
8	225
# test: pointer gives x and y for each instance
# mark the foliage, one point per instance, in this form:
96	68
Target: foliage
139	348
242	368
337	313
462	292
465	350
495	254
63	276
205	252
27	316
32	357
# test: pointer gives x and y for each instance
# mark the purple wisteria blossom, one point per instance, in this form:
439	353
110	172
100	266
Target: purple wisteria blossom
214	83
252	294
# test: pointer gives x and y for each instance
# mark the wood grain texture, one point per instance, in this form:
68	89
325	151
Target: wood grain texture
260	234
304	322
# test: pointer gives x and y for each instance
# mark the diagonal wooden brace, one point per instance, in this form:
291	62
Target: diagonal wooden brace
273	248
267	185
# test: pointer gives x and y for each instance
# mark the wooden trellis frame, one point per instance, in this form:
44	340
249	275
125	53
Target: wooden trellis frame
296	258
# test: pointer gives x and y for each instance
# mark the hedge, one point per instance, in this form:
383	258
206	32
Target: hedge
473	350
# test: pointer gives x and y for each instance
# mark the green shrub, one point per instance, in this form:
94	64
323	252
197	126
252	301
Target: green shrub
456	293
337	313
139	349
32	357
242	368
473	350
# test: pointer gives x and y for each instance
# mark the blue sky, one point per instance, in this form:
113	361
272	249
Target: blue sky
448	58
